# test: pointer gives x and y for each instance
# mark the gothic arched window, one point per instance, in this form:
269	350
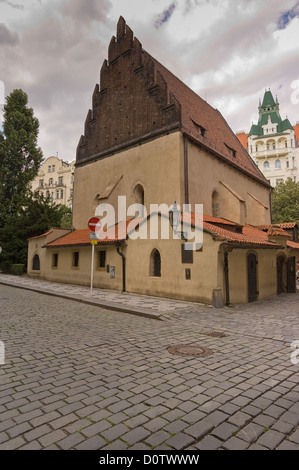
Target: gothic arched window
155	263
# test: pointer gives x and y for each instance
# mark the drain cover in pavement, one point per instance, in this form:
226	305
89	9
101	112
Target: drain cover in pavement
192	350
216	334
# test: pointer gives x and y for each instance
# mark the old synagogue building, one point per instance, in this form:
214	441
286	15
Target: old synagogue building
151	139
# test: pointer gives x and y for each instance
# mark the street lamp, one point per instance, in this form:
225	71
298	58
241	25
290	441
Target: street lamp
175	217
175	221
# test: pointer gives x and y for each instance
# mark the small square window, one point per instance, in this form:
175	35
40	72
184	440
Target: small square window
55	260
187	253
102	259
76	259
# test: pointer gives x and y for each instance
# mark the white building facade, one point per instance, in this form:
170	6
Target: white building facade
55	180
272	143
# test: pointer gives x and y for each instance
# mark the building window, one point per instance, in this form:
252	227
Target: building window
278	164
53	168
266	165
50	181
231	151
102	259
138	194
273	146
187	255
49	169
293	162
278	181
286	144
268	146
287	164
75	259
36	263
57	194
61	194
155	264
55	260
60	180
256	148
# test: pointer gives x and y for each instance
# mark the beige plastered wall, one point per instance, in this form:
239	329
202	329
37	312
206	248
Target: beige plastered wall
156	165
65	272
266	273
206	174
172	283
35	248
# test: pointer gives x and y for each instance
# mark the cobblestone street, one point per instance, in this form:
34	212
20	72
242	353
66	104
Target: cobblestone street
79	376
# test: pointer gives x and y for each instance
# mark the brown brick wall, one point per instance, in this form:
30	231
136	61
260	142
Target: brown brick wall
131	102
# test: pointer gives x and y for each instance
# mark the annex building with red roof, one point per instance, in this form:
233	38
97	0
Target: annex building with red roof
150	140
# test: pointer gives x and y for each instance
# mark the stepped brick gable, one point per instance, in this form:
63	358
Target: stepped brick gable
139	99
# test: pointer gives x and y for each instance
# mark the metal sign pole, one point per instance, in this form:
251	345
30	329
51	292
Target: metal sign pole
92	266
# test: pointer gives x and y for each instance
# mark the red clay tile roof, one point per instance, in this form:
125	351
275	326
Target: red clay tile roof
77	237
249	236
42	235
296	129
243	138
286	225
81	237
219	220
277	231
218	136
294	245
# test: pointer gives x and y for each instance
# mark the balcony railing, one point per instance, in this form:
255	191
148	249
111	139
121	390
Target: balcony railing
277	152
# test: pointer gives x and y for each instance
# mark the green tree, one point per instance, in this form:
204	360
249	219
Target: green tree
285	202
34	218
20	156
22	214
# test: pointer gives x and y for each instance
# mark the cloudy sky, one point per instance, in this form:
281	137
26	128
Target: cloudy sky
228	51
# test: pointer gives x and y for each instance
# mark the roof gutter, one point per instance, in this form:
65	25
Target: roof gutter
117	246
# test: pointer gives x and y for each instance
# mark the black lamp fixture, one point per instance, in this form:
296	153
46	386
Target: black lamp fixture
175	220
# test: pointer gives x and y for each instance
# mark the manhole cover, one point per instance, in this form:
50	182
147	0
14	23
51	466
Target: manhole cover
192	350
216	334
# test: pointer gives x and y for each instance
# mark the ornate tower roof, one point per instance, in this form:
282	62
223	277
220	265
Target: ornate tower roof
269	113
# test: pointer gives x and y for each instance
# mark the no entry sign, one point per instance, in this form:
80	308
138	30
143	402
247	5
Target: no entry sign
94	224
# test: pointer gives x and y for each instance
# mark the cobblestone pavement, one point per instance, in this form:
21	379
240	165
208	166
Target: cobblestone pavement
79	376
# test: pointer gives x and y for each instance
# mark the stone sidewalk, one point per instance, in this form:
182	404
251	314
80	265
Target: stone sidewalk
143	305
79	376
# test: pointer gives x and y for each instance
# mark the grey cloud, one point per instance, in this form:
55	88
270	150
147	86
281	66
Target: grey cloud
7	36
57	62
13	5
86	11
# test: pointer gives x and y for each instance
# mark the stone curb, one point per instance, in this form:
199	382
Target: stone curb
107	305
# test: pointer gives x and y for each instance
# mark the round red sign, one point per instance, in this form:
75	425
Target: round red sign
94	224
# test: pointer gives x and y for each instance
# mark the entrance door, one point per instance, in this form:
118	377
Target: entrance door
280	274
252	277
291	275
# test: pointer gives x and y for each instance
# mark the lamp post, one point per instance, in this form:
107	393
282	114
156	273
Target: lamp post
175	221
175	217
